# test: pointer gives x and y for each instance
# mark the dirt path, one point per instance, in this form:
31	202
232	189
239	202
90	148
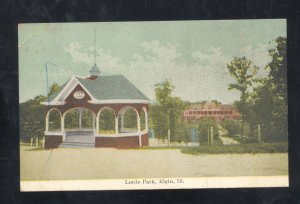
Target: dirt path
96	163
226	140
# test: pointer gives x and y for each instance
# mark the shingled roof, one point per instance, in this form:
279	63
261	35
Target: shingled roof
102	88
112	87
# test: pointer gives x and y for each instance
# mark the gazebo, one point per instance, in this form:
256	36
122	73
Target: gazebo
96	94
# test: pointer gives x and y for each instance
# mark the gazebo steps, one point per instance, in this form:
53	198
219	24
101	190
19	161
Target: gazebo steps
76	145
80	139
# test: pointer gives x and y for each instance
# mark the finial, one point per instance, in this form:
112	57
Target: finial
95	45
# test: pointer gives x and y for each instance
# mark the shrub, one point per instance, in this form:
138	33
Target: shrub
203	127
281	147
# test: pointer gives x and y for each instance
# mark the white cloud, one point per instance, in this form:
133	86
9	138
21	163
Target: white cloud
257	54
77	56
201	79
104	59
166	52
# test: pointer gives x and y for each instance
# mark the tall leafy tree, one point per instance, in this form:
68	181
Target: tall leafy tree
166	113
243	71
278	68
270	96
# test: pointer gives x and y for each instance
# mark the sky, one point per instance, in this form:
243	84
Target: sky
191	54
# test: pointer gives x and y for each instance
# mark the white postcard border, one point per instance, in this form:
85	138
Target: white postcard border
155	183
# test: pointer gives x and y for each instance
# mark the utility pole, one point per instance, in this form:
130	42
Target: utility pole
211	135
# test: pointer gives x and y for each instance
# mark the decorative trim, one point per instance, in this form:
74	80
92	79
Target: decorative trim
53	103
115	101
67	85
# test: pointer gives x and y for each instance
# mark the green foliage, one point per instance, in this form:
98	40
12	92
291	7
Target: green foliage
87	119
232	126
32	119
107	120
270	96
143	120
166	113
278	67
72	119
216	102
54	120
159	121
204	127
250	117
130	119
243	71
182	133
238	149
266	105
55	87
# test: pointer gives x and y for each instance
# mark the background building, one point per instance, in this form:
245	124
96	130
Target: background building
213	110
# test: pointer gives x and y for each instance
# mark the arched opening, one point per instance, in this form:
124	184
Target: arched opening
78	119
106	121
128	120
54	120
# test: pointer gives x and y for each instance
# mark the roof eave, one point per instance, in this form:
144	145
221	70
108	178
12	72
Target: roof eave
116	101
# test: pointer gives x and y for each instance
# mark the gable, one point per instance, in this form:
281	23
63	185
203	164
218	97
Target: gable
78	96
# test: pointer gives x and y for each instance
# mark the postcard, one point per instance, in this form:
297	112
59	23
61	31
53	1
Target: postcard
153	105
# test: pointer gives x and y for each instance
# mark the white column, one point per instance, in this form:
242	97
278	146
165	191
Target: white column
47	122
62	121
140	139
122	121
93	123
139	123
139	128
116	125
97	124
146	120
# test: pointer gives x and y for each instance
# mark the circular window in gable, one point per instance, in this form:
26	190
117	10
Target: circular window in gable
79	94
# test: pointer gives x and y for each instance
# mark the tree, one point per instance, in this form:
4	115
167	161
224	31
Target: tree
55	87
166	113
249	115
278	68
278	79
32	122
270	96
243	71
216	102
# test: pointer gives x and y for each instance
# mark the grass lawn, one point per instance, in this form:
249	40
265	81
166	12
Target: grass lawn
238	149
